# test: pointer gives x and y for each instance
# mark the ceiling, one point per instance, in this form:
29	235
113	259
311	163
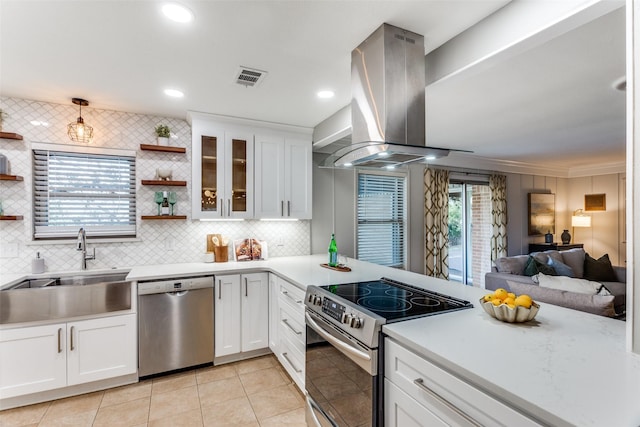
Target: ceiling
552	104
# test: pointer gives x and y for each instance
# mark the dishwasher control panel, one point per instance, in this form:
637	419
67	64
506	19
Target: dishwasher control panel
174	285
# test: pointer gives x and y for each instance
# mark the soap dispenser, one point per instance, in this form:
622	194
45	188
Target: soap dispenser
37	264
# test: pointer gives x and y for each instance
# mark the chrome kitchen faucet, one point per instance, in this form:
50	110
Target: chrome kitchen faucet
82	246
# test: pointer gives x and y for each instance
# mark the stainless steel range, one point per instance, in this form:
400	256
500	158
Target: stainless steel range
344	346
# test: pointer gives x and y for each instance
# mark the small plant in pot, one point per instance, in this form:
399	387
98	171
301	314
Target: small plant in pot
163	133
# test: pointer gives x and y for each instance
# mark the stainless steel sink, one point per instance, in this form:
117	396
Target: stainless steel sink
65	297
75	280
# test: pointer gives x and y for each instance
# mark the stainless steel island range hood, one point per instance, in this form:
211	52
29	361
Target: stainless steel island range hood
387	103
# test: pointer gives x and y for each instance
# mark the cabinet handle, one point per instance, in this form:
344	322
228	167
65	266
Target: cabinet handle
221	207
71	338
59	340
288	207
281	207
286	293
299	371
420	383
246	287
286	322
219	289
228	207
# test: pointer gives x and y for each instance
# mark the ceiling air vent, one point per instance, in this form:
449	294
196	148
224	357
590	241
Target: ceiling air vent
250	77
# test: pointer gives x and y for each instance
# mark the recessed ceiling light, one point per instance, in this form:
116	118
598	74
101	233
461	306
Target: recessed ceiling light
348	164
390	167
383	154
177	12
430	157
174	93
326	94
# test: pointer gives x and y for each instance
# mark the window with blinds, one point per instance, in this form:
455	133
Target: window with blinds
381	213
73	190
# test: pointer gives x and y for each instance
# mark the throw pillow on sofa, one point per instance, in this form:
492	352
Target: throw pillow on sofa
561	268
512	265
534	267
596	304
580	286
574	258
599	269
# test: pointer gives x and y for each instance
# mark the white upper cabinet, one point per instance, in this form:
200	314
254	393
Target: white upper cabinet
222	170
228	184
283	176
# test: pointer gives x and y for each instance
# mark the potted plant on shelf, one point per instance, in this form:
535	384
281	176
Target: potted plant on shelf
163	133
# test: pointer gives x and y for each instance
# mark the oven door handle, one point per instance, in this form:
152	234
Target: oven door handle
334	341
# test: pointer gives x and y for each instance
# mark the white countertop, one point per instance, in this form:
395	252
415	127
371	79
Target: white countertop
565	368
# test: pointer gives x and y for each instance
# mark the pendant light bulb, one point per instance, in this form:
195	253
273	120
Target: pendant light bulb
78	131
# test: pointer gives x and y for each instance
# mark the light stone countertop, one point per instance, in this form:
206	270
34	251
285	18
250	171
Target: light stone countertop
564	368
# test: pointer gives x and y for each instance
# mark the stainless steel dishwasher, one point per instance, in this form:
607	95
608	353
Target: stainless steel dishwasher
175	324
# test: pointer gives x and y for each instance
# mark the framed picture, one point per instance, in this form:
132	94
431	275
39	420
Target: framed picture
595	202
542	213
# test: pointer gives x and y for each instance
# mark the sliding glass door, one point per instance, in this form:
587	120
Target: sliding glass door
469	231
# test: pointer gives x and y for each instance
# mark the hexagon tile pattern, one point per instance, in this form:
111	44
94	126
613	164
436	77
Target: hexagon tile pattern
158	242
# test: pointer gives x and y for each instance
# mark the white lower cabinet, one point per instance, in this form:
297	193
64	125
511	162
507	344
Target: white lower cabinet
41	358
97	349
289	325
419	393
241	311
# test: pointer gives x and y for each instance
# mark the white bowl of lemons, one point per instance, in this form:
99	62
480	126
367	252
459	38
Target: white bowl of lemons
509	307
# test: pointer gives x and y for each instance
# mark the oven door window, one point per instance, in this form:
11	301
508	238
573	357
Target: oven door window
343	391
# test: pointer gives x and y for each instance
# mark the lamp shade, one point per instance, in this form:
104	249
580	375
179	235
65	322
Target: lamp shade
581	221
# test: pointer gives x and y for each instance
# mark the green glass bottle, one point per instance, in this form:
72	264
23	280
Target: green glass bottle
333	252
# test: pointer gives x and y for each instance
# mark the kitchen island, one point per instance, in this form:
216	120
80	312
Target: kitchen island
564	368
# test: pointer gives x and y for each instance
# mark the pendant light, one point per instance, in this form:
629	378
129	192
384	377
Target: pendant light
78	131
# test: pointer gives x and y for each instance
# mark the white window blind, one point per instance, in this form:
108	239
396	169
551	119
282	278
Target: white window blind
73	190
381	214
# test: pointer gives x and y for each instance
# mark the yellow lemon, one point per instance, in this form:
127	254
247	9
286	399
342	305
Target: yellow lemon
509	301
496	301
511	295
524	300
511	306
501	293
487	297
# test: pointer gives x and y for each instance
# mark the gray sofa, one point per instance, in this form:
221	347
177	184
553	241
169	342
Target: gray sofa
508	273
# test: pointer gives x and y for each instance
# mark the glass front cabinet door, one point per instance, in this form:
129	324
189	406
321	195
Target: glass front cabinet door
222	171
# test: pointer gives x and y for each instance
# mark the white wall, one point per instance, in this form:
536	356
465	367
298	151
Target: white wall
158	242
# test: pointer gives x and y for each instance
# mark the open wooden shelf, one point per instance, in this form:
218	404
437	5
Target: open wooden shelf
10	177
163	217
11	217
10	135
165	148
167	183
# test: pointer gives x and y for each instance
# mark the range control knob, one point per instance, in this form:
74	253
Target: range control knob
317	300
355	322
346	318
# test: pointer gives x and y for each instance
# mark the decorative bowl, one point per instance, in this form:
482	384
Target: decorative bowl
511	315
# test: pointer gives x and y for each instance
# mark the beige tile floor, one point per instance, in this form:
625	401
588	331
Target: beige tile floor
255	392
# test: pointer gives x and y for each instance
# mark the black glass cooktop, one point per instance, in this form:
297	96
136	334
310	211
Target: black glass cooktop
395	300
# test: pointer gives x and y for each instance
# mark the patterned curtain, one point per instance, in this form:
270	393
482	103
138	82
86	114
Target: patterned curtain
498	187
436	222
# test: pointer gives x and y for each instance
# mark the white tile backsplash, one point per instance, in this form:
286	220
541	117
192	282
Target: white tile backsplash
159	241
